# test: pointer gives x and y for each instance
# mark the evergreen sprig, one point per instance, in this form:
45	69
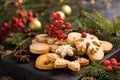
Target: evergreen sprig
97	71
97	21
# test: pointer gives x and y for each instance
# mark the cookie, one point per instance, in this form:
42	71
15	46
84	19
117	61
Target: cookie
53	57
42	62
39	48
97	56
60	63
72	37
51	40
53	48
106	46
34	41
74	65
42	38
83	61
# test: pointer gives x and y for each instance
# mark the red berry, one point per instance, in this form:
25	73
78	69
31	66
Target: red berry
114	63
53	14
62	36
3	29
21	14
84	34
24	20
109	68
67	25
113	59
5	24
20	24
58	16
106	63
55	22
60	22
14	19
16	4
30	14
30	19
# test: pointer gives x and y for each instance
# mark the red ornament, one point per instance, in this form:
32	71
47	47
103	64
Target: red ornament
5	24
109	68
106	63
84	34
16	4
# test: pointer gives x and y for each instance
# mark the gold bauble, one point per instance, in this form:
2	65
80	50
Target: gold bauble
62	14
66	9
35	25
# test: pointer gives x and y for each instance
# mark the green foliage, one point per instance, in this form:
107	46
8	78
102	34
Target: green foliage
97	71
97	21
17	41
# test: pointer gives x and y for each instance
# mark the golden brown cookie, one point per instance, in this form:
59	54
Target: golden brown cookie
96	56
42	38
83	61
53	48
60	63
106	46
74	65
34	41
39	48
51	40
43	63
72	37
53	56
61	42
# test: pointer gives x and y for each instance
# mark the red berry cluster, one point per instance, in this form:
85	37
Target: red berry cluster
16	25
110	64
58	27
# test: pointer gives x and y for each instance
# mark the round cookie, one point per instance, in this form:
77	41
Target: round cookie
39	48
42	62
72	37
42	38
34	41
106	46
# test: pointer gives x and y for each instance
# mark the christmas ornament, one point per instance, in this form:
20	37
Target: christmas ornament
66	9
62	14
35	25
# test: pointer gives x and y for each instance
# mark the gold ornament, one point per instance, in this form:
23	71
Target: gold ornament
66	9
61	1
35	25
61	13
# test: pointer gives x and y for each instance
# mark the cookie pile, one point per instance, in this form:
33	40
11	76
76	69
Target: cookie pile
55	53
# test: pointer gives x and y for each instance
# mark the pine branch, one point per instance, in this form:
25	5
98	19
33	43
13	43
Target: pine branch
97	71
15	38
24	44
97	21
